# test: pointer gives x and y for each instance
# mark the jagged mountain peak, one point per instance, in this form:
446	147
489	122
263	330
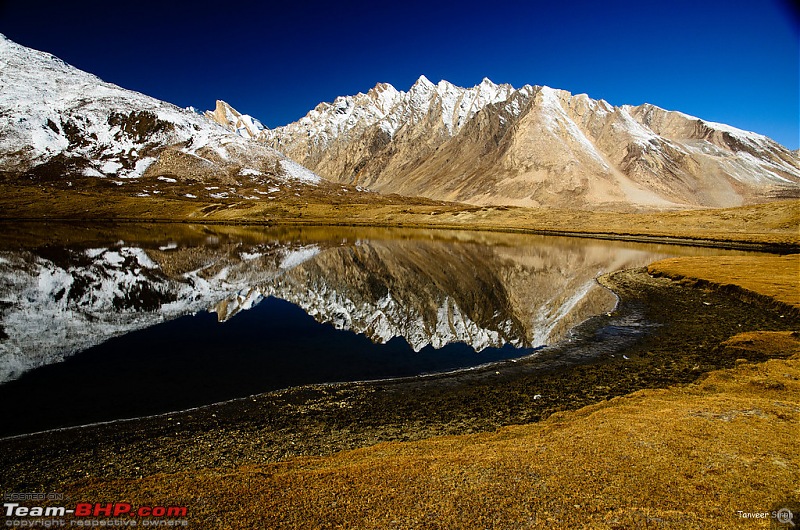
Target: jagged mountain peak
535	146
233	120
423	81
389	110
381	88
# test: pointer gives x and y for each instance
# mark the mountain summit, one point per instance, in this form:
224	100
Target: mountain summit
488	145
534	146
242	124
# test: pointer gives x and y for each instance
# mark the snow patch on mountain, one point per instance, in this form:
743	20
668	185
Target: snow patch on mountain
53	113
298	172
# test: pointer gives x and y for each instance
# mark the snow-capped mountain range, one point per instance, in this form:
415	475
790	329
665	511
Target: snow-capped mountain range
489	144
532	146
58	122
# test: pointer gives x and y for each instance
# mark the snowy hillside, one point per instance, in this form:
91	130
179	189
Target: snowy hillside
60	122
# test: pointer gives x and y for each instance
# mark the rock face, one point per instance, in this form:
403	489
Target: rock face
534	146
58	122
242	124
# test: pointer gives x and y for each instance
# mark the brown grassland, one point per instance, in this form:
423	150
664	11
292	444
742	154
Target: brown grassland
689	456
777	277
774	224
685	457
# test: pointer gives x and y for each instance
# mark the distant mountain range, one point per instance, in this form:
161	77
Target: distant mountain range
487	145
533	146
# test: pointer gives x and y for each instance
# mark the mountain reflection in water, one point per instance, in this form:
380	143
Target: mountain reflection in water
132	319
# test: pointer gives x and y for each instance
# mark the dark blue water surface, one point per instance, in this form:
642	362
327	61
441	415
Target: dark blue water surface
195	360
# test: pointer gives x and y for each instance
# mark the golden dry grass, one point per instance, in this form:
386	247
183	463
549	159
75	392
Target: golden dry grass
773	223
777	277
686	457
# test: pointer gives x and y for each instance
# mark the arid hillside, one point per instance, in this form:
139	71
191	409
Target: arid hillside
533	146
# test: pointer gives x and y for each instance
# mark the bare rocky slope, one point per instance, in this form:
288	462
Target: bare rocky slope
534	146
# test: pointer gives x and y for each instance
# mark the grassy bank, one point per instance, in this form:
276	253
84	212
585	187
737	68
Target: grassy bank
688	456
774	224
776	277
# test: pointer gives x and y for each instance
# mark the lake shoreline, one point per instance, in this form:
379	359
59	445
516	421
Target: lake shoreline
768	226
662	333
734	243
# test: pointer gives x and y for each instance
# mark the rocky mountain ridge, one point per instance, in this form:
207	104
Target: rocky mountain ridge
533	146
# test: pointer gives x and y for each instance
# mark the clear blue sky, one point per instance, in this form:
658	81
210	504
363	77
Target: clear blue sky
733	61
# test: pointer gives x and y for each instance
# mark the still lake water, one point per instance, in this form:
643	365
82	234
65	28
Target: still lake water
98	324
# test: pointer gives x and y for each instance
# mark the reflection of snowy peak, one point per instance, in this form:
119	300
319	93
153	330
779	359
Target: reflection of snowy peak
525	292
436	294
413	290
59	122
385	319
56	303
493	144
